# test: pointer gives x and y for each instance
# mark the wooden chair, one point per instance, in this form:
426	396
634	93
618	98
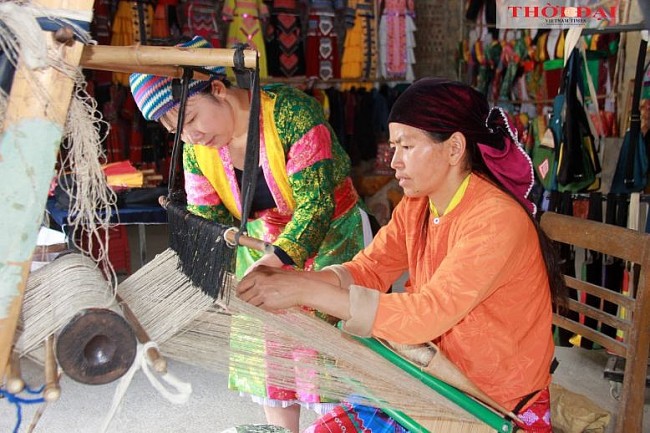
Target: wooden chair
631	246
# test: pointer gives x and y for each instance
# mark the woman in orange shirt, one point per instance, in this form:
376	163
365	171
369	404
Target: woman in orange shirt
482	275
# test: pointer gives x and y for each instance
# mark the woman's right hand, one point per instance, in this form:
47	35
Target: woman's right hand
272	288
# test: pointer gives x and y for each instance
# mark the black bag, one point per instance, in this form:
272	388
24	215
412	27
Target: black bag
578	163
631	173
141	196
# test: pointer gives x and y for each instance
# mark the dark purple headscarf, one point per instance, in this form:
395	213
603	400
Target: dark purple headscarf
442	106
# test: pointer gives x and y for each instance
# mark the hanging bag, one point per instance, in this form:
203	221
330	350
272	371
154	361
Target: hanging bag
578	162
631	173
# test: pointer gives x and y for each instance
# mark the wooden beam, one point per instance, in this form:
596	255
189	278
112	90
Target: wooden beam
139	58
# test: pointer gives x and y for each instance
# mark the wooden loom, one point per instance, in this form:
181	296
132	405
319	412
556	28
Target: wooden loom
37	109
441	415
192	328
33	124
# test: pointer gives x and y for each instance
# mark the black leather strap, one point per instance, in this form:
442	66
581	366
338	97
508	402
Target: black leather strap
252	158
174	192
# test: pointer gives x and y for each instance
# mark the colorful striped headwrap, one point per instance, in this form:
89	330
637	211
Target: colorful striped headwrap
153	93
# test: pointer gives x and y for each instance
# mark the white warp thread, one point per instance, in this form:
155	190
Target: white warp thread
25	35
184	389
142	361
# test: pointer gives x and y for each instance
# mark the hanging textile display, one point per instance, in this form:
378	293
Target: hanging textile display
165	23
200	18
360	51
245	26
631	173
101	31
616	213
397	39
132	24
285	47
321	46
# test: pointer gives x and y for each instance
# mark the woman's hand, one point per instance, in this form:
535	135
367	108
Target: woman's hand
272	288
266	260
275	289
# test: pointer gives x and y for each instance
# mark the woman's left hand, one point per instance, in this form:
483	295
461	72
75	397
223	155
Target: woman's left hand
272	288
266	260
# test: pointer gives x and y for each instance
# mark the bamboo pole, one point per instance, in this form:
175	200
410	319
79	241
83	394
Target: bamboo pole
481	411
163	71
30	140
141	58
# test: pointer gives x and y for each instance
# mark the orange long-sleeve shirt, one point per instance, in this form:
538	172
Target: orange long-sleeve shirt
478	288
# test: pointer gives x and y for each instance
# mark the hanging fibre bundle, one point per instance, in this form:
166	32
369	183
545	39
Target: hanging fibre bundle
205	257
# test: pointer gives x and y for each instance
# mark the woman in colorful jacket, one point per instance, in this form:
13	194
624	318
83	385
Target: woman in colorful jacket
482	275
304	203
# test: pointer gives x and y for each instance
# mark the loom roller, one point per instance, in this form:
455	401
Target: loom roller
96	346
108	348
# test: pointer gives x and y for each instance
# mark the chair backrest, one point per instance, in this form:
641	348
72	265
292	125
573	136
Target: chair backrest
633	247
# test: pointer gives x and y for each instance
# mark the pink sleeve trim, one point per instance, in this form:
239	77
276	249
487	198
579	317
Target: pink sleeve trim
312	147
199	191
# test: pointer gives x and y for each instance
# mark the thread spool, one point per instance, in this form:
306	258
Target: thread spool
71	299
96	347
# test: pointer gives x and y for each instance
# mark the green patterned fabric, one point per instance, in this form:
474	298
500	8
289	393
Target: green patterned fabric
325	227
311	237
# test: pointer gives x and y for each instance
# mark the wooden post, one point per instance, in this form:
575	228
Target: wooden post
52	390
29	143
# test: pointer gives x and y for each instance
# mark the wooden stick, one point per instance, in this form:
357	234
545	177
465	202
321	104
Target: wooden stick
52	390
230	236
135	56
14	381
36	418
8	324
157	360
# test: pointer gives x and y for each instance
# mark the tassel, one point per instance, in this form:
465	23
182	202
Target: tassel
204	255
